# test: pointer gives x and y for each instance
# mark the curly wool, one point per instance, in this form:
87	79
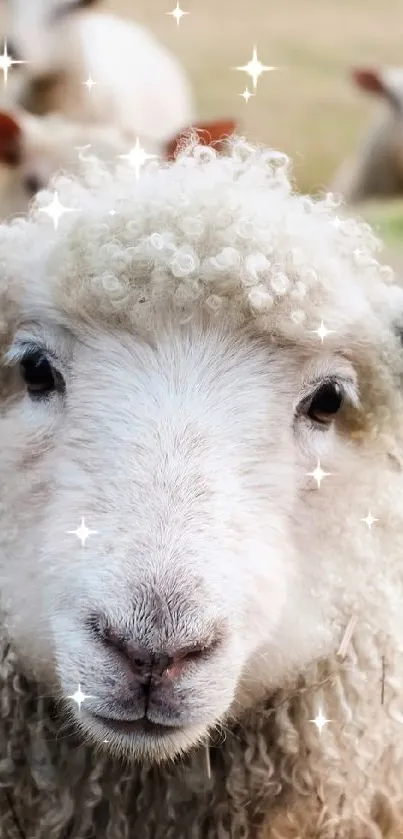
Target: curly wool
128	249
271	767
199	237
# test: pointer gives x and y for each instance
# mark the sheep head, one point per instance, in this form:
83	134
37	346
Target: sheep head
215	134
164	386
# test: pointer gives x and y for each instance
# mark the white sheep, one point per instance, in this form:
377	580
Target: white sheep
139	86
33	149
201	511
376	169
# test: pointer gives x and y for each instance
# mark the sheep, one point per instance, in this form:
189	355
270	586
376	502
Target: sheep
200	510
33	149
138	85
377	169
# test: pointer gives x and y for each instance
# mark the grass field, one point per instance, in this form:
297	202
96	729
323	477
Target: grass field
307	107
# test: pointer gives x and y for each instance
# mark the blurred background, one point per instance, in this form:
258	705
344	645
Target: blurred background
308	107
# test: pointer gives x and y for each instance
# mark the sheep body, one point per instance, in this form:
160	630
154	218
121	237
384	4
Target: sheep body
376	169
138	85
196	252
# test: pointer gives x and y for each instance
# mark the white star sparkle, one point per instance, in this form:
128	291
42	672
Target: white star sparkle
369	520
320	720
82	532
177	13
322	332
112	212
246	95
137	156
318	474
6	63
255	68
89	84
79	697
55	210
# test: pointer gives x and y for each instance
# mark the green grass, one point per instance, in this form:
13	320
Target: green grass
387	219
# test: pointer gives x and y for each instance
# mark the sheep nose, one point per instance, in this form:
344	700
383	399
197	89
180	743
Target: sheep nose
146	664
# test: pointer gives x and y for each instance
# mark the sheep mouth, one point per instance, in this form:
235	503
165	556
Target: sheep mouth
143	726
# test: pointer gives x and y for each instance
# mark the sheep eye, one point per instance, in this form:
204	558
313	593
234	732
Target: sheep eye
40	376
325	403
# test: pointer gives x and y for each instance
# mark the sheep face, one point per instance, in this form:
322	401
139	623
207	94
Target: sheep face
39	33
165	399
33	149
184	454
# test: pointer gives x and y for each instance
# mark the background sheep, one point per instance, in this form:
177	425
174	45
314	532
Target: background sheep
33	149
377	170
164	377
139	86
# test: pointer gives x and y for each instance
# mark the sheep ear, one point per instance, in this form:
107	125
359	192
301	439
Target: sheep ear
10	140
214	133
369	79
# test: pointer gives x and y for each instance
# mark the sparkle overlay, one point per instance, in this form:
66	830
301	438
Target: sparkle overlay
79	697
254	68
177	13
320	720
246	95
137	157
6	63
322	332
369	520
318	474
55	210
89	84
82	532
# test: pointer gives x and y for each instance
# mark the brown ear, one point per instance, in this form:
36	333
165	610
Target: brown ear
10	140
369	79
213	133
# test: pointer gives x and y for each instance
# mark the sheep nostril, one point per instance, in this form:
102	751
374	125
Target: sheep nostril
145	662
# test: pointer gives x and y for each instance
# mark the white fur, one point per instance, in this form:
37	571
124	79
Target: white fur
52	144
140	87
184	327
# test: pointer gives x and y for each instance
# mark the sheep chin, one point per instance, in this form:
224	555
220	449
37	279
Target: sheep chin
151	747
